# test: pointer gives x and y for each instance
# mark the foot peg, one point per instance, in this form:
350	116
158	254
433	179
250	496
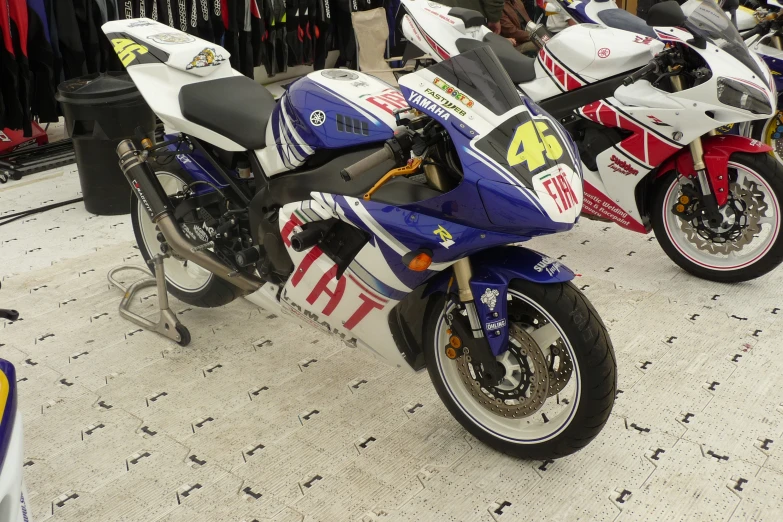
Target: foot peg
167	325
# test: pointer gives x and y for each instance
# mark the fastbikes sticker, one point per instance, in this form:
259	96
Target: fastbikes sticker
205	58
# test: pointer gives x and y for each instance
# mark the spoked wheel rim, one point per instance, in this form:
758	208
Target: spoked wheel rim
772	135
754	209
543	412
183	275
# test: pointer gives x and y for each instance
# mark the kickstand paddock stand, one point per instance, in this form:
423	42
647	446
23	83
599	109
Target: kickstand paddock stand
167	325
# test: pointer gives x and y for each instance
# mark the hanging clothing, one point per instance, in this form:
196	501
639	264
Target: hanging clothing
42	87
323	33
19	29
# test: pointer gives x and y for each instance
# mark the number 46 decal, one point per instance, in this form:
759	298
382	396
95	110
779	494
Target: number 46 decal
526	146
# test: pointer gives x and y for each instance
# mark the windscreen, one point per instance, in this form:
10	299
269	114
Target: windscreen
478	75
707	19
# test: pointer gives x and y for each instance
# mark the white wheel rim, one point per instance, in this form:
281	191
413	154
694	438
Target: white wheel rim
526	430
751	253
187	277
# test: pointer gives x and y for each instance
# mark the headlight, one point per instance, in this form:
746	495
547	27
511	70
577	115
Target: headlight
742	96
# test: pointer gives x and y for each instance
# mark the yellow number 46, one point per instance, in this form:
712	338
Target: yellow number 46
526	146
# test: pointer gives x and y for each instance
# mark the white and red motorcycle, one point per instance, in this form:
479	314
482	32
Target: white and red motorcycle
642	111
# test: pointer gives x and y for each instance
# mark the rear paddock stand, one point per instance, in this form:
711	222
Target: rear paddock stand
167	325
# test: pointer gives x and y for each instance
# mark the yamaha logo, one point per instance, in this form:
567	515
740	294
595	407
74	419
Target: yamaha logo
317	118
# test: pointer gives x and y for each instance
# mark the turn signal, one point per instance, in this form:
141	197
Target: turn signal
684	200
418	261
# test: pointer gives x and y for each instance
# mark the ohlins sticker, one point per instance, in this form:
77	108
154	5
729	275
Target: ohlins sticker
128	50
171	38
425	103
205	58
453	92
445	102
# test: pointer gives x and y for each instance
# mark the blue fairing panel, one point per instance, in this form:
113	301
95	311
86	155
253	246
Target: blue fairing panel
493	270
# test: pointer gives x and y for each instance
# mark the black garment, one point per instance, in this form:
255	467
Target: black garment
88	29
41	56
293	38
305	28
18	26
346	39
323	33
257	30
204	27
57	57
73	55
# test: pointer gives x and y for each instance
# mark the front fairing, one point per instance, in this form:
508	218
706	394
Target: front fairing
519	160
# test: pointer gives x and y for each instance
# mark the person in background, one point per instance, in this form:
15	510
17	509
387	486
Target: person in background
512	26
491	9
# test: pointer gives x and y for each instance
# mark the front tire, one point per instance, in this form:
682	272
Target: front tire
748	243
186	281
580	363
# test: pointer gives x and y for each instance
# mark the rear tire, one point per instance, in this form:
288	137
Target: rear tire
560	426
187	282
756	182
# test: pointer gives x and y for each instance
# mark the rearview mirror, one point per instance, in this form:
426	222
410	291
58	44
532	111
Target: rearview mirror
665	14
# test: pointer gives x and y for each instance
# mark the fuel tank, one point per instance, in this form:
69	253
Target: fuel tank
328	109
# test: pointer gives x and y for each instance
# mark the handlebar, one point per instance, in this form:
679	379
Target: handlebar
363	165
634	77
753	32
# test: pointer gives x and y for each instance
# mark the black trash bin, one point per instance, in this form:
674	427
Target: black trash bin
100	111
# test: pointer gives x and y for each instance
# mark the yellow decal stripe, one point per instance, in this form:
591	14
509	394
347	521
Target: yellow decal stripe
5	389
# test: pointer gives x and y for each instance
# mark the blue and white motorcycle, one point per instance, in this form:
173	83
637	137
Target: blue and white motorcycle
13	493
383	217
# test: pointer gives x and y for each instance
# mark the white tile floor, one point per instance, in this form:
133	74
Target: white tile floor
124	425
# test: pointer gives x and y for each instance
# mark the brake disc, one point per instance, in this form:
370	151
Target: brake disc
524	388
748	205
560	368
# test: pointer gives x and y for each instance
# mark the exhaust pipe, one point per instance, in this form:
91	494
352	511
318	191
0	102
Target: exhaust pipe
155	200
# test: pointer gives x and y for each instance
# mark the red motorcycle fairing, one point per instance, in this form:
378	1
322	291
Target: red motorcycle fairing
717	151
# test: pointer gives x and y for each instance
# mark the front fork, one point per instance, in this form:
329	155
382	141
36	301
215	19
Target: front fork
697	153
480	349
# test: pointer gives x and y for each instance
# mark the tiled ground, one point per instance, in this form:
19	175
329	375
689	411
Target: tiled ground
124	425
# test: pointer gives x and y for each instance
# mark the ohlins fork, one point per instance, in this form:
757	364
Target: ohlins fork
697	152
482	353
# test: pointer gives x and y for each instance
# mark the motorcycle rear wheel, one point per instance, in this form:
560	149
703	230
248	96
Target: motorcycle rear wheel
580	364
186	281
755	183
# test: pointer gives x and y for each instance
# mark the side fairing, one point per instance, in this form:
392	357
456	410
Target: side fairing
329	109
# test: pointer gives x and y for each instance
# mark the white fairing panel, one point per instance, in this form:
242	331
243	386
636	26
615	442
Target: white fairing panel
185	52
596	52
190	60
13	495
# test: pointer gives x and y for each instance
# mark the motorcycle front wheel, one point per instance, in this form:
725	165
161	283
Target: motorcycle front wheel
747	244
560	374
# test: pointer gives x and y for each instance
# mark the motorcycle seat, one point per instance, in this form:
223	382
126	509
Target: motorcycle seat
469	17
235	107
622	19
519	67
